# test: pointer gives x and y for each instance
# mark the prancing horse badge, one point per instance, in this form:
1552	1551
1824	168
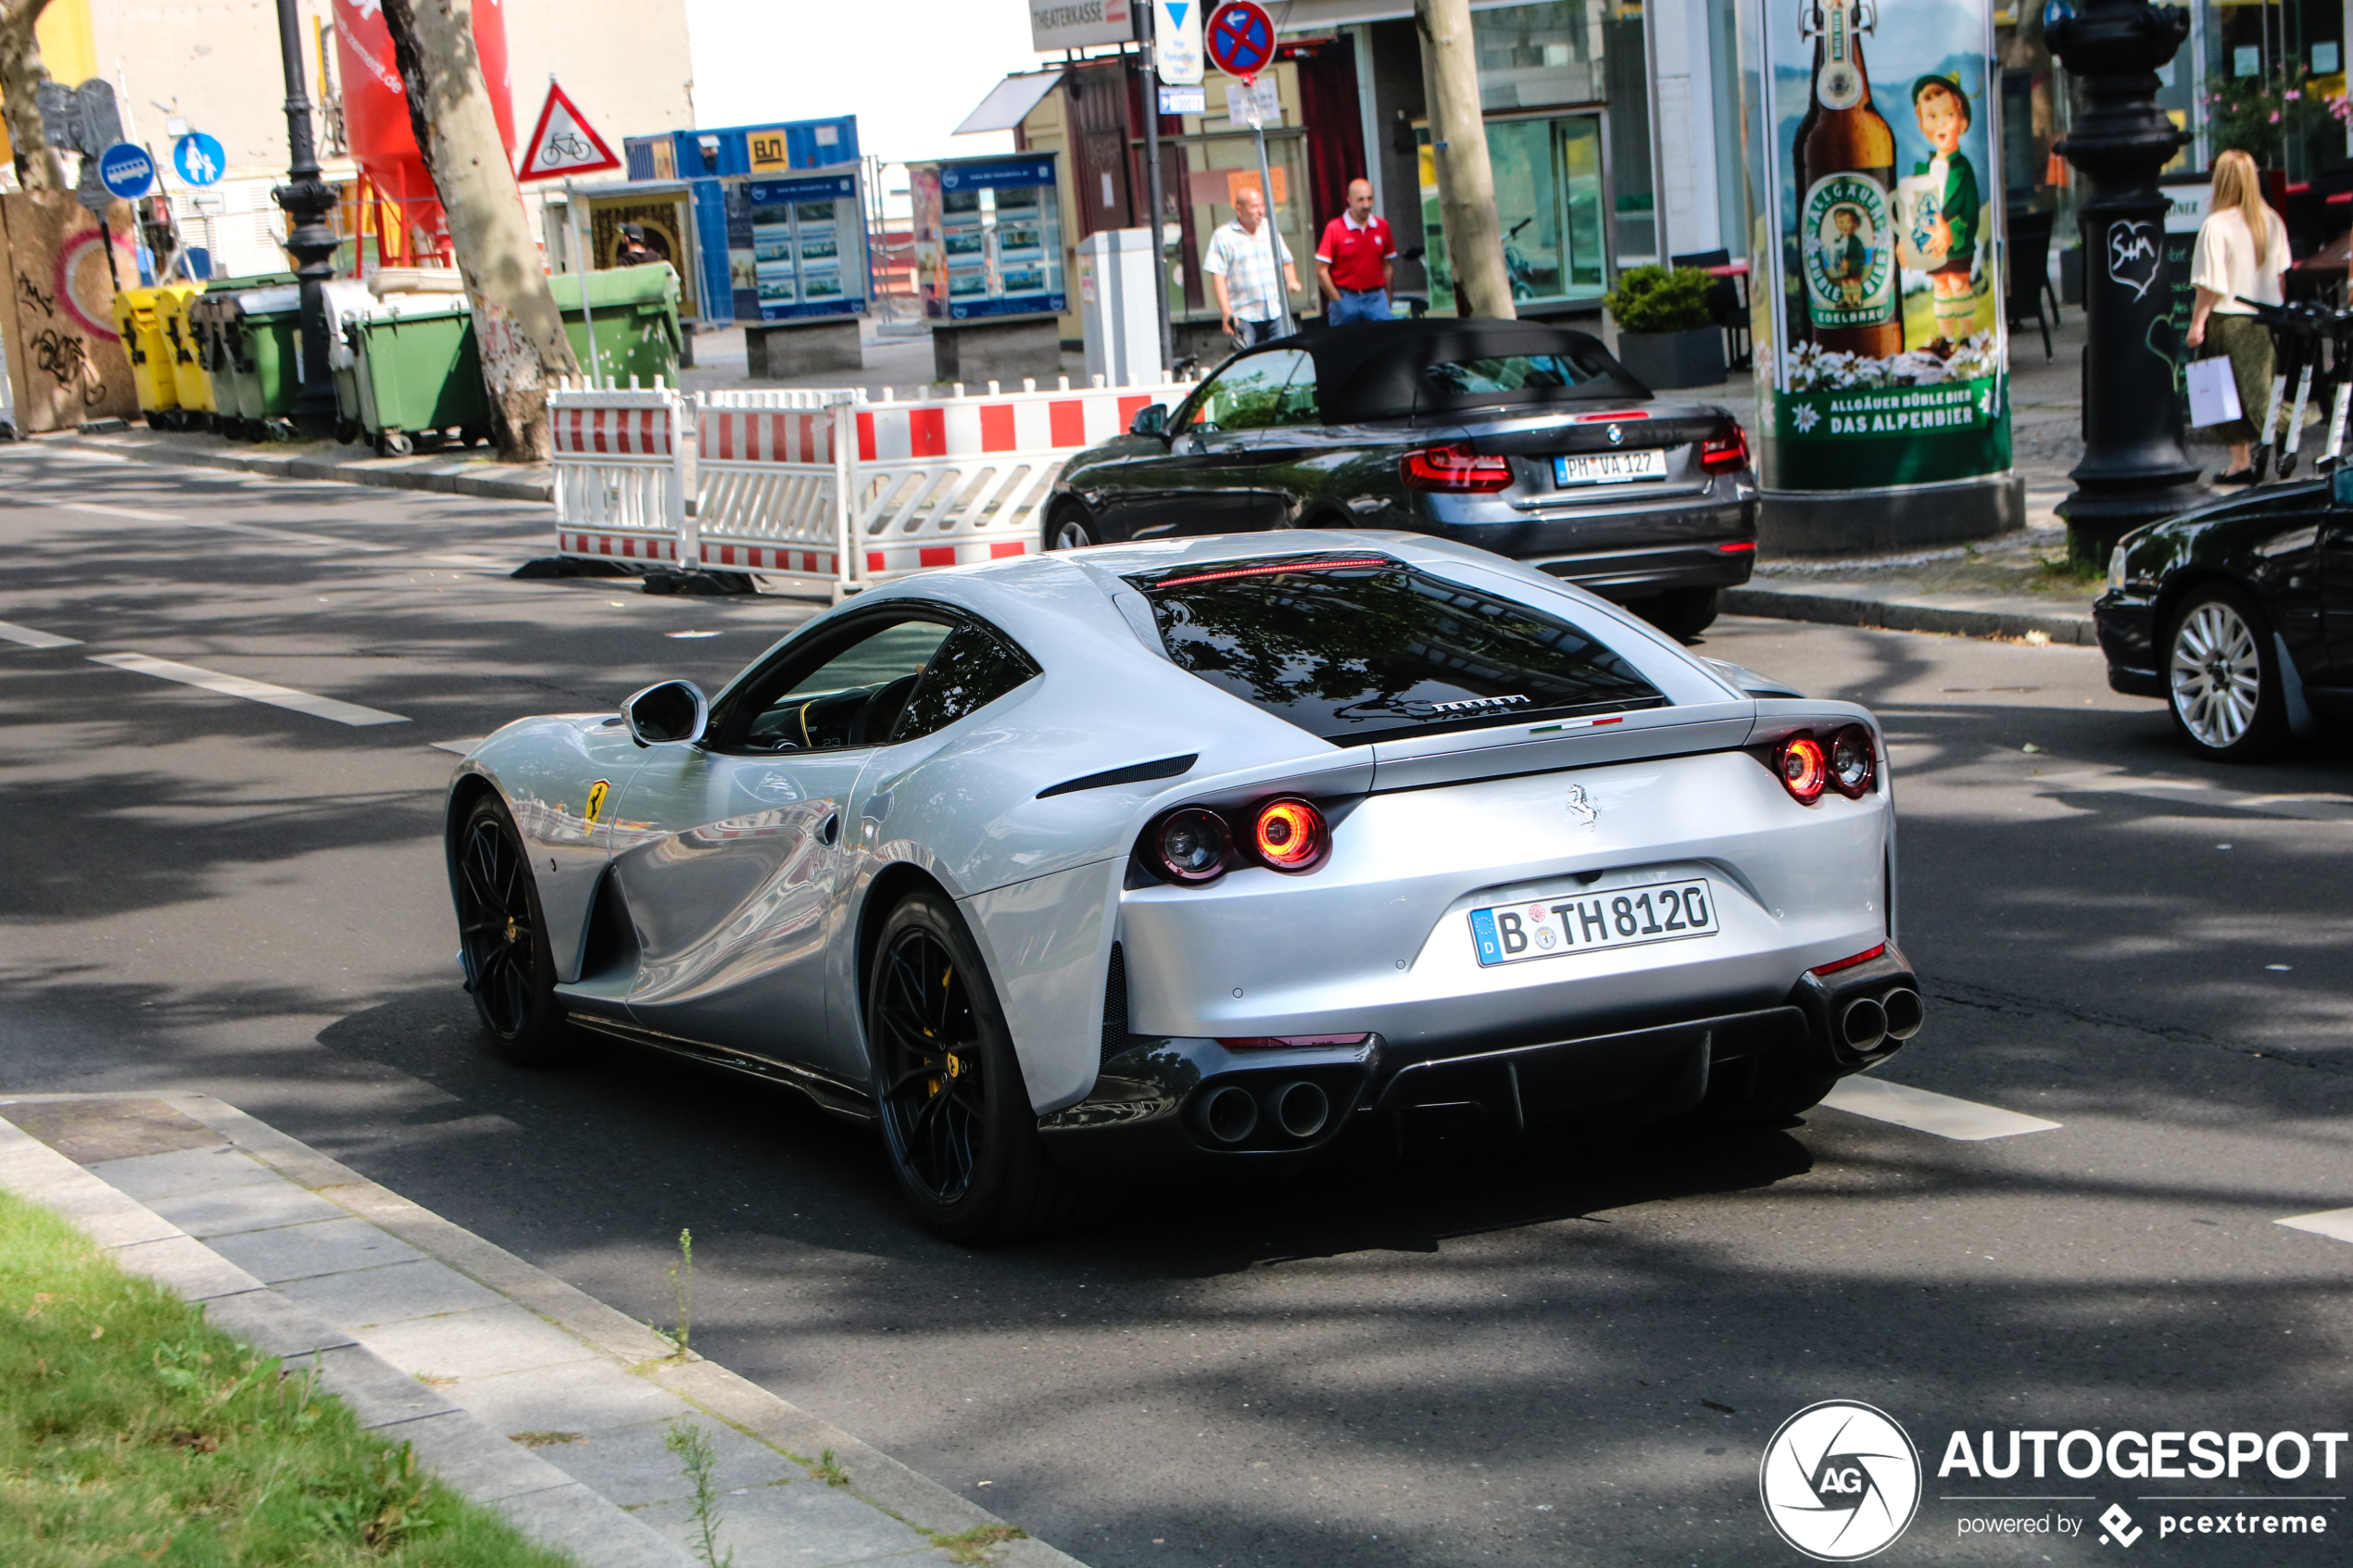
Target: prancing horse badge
1580	804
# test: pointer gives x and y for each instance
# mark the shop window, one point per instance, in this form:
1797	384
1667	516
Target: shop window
1214	168
1548	200
1532	56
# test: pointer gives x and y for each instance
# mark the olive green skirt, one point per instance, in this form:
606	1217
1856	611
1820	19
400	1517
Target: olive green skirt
2247	344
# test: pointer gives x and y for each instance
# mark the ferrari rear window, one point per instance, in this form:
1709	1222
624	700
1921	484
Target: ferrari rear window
1359	647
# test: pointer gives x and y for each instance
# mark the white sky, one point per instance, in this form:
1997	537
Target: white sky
910	69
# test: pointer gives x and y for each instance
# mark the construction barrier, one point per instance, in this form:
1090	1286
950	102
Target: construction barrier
821	487
620	457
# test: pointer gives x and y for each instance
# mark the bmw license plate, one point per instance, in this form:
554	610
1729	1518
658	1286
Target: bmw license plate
1610	467
1623	917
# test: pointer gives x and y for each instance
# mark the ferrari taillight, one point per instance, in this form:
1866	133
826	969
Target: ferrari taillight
1852	761
1190	845
1290	836
1804	771
1726	452
1456	469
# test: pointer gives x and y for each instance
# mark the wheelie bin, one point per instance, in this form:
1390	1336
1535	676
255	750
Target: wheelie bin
194	386
415	373
259	332
137	325
635	313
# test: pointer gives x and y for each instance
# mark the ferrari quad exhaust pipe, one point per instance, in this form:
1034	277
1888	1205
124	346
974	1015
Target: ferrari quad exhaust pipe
1862	1025
1905	1011
1301	1109
1229	1114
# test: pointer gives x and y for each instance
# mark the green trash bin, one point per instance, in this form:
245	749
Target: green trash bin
414	373
635	314
260	335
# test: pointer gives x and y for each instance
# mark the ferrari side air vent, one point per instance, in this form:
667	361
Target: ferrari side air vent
1116	1005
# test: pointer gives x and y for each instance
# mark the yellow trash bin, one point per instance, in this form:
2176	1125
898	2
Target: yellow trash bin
142	332
187	353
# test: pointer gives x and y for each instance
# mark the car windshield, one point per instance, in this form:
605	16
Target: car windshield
1513	372
1359	647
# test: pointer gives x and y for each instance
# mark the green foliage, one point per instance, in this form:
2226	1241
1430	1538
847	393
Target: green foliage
1660	299
972	1545
826	1469
2261	114
130	1432
682	1289
693	1446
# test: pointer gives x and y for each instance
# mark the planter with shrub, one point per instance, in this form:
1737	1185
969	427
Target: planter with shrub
1666	335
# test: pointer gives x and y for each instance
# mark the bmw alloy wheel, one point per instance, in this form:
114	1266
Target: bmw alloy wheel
2216	674
1071	533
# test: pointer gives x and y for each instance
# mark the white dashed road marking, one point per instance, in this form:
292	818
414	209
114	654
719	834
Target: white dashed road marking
1927	1112
252	691
33	639
457	747
2335	1223
134	513
281	535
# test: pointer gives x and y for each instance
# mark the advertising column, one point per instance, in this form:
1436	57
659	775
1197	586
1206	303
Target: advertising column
1883	375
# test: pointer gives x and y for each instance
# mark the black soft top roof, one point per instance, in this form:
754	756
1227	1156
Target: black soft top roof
1373	370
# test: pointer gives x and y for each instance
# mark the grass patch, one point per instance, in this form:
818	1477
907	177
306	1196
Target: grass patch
132	1432
2066	573
972	1545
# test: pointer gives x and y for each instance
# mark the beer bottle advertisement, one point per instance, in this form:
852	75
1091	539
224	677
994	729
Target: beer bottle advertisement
1888	357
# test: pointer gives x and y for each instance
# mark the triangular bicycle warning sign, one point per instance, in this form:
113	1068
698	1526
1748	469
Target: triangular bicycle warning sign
563	142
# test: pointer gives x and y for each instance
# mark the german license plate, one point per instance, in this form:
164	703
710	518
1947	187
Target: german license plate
1610	467
1623	917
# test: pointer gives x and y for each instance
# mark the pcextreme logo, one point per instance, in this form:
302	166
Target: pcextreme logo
1840	1481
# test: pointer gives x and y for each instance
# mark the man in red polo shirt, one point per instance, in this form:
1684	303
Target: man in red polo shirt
1356	262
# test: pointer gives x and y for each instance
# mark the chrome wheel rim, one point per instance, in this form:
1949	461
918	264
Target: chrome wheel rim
1071	535
495	926
2216	674
935	1088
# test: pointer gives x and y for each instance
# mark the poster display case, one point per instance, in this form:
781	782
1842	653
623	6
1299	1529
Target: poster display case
798	247
988	237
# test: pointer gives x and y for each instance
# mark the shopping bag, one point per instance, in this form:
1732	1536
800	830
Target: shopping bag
2214	392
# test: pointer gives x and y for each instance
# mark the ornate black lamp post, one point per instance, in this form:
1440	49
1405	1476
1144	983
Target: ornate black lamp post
307	200
2134	469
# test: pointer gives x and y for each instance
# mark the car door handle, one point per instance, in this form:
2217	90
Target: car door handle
829	831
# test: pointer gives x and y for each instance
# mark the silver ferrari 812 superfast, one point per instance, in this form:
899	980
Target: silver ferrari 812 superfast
1215	852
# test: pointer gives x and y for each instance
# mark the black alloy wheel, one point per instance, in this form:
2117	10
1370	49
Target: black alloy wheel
503	937
956	1117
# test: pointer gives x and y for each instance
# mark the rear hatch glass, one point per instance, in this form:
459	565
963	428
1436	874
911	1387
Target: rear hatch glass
1358	647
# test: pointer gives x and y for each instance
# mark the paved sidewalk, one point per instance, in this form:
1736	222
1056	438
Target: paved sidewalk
518	1390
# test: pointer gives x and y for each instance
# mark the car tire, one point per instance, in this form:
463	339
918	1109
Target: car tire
1070	528
962	1142
2222	678
503	935
1684	614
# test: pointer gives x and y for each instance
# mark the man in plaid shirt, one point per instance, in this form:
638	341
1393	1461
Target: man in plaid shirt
1241	269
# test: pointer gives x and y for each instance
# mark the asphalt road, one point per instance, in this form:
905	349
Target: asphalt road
1573	1352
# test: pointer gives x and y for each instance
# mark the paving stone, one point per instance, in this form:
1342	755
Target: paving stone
185	1267
89	1131
176	1175
325	1247
394	1293
269	1323
257	1206
378	1392
488	1343
805	1524
593	1530
100	1212
578	1397
475	1459
632	1465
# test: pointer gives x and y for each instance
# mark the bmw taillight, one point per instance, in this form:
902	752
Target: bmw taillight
1190	845
1803	769
1290	836
1456	469
1852	761
1726	452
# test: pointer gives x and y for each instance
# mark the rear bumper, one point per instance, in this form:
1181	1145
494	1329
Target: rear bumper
1150	1110
1702	539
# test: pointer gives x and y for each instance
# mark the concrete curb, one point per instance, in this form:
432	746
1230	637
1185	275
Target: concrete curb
504	483
472	1456
2012	619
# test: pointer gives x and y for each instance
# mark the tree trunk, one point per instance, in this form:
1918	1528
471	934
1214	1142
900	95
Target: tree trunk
22	74
517	326
1459	137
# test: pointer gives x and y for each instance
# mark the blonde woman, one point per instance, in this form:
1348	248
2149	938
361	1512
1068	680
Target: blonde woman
2242	251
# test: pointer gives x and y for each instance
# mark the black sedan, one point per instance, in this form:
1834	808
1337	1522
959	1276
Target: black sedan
1524	439
2239	616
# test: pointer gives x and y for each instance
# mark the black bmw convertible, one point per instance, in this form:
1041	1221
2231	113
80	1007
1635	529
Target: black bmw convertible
1524	439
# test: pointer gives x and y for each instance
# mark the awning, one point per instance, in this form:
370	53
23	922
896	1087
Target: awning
1009	104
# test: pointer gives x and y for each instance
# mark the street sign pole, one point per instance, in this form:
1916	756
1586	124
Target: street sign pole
1149	34
1274	234
1241	40
582	263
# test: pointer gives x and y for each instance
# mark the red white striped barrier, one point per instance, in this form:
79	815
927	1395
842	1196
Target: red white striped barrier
619	471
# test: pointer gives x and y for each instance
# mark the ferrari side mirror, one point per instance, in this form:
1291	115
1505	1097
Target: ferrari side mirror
1152	420
673	713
